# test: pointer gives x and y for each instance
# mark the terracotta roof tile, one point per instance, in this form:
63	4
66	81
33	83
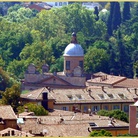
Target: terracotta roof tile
74	124
16	132
96	94
6	112
128	83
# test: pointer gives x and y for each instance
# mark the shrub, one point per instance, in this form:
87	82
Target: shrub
37	109
100	133
118	114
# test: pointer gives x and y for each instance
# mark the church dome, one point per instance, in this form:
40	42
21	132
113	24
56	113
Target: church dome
74	49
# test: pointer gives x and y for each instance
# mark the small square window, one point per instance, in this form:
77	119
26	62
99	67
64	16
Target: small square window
116	107
60	3
105	107
126	108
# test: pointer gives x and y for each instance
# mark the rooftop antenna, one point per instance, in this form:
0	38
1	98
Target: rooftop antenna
74	38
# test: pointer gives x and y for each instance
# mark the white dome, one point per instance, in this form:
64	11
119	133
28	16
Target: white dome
73	50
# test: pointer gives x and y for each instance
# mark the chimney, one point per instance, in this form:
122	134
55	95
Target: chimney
45	100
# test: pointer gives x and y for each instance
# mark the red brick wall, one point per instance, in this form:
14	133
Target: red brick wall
132	120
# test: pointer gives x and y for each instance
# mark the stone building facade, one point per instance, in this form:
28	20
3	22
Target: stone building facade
71	77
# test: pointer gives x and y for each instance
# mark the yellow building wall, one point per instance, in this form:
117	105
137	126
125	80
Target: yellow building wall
117	132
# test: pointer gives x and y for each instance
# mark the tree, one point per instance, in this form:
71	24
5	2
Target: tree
122	56
114	19
4	80
118	114
96	60
11	96
126	11
96	12
110	18
38	110
135	69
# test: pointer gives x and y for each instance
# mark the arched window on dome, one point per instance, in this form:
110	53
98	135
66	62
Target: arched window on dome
67	65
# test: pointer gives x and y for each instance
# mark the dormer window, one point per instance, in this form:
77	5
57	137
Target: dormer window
101	96
79	97
122	96
110	96
70	97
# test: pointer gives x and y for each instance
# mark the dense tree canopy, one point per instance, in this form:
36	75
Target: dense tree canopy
109	39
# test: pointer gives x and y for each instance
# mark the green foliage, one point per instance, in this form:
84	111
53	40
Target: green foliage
100	133
4	80
11	96
126	11
40	38
37	109
95	59
118	114
126	135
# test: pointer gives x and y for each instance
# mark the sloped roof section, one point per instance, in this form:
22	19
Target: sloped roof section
6	112
36	94
128	83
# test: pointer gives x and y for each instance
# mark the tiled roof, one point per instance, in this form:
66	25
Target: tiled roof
74	124
96	94
105	79
16	132
6	112
128	83
36	94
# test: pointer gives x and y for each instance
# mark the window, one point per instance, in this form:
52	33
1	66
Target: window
79	97
67	65
60	3
64	3
55	3
65	108
105	107
70	97
85	109
110	96
101	96
81	64
122	96
96	108
126	108
116	107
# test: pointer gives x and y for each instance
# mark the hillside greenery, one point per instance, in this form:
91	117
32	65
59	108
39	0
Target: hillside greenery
109	38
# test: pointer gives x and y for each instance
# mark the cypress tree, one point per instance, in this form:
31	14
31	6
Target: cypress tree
109	22
96	12
116	21
126	11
